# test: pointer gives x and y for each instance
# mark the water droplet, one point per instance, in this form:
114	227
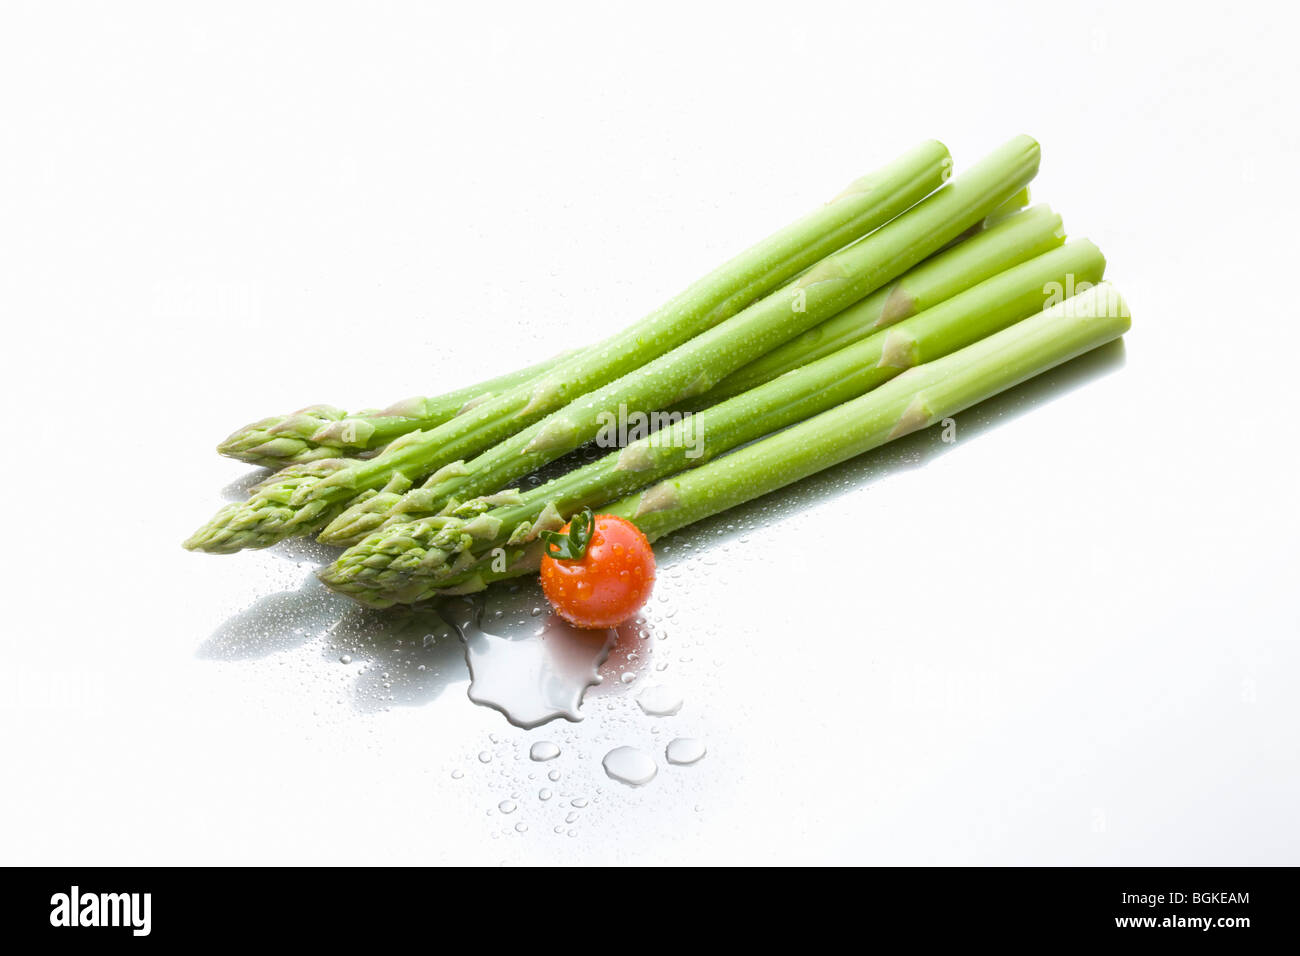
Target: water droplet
521	827
571	818
457	774
628	765
507	806
543	750
579	802
484	757
685	750
553	776
345	659
543	794
658	700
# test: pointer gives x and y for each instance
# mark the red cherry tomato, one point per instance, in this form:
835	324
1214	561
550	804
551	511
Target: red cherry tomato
609	582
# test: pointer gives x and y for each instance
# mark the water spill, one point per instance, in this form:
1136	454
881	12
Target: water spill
685	750
628	765
659	701
535	674
543	750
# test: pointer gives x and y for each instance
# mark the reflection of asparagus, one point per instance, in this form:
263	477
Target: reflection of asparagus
1018	237
322	431
914	400
409	560
305	505
694	367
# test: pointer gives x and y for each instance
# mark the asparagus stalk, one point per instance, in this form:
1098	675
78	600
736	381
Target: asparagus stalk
1018	237
980	310
305	504
323	431
1009	208
914	400
693	368
409	560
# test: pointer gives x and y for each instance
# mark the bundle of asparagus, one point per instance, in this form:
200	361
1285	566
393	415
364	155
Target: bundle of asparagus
904	300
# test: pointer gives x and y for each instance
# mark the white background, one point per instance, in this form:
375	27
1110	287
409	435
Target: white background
1069	638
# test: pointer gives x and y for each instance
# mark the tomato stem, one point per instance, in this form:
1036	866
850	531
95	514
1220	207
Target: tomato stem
571	545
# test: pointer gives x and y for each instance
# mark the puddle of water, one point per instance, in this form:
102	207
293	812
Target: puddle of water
531	672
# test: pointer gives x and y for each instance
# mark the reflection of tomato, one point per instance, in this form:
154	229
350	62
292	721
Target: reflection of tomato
607	584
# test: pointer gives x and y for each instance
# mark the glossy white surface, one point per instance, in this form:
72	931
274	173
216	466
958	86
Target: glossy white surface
1068	638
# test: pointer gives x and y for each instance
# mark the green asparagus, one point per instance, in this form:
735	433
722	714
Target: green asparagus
914	400
693	368
1014	239
323	431
1009	208
305	503
409	560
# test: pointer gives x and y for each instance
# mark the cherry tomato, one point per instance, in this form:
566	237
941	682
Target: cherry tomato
609	580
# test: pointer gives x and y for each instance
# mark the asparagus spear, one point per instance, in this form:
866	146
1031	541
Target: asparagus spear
323	431
1014	239
305	504
409	560
914	400
1009	208
1019	237
693	368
